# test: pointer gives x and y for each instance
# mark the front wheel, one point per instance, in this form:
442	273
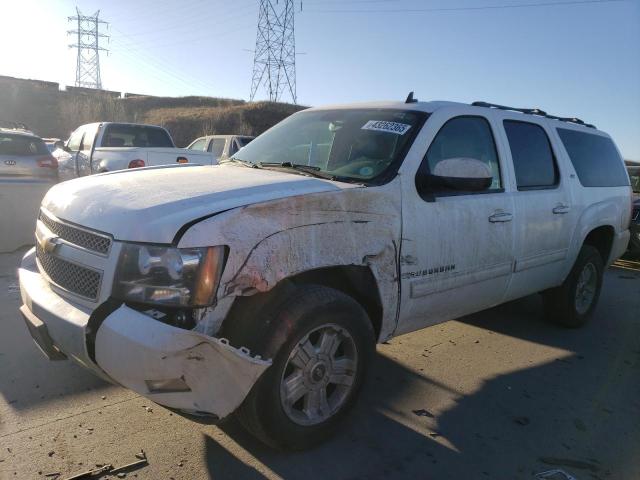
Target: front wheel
572	303
318	368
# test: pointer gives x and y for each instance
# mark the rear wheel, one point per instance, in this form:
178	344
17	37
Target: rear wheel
318	368
572	303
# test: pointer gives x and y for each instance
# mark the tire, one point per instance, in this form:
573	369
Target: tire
572	303
308	316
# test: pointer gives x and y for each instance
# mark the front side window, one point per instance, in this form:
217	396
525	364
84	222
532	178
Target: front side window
595	158
533	159
122	135
352	144
198	144
217	146
75	139
464	137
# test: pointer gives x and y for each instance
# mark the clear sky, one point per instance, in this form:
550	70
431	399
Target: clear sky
570	59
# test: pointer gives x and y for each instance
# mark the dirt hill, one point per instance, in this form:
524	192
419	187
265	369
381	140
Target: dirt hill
54	113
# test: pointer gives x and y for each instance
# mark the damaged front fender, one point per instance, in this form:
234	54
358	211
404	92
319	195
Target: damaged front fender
177	368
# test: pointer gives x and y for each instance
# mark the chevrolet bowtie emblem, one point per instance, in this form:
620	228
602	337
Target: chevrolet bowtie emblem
49	244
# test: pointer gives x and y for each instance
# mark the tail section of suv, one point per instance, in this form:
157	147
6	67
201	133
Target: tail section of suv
260	286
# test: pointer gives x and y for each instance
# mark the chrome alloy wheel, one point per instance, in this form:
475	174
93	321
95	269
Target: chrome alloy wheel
319	375
586	288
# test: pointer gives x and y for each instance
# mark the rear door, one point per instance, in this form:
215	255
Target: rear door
544	213
25	157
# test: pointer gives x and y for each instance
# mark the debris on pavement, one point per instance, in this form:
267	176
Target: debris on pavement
120	472
522	421
423	413
556	474
568	462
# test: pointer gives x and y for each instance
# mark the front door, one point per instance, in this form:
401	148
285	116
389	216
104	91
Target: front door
457	247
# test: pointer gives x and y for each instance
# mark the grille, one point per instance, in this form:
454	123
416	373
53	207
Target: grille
74	278
76	236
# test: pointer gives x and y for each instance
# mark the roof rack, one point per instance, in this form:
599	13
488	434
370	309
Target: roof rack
533	111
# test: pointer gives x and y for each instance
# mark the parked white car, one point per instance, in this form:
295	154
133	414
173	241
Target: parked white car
108	146
220	146
260	286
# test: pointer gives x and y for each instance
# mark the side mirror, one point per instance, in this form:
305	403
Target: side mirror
460	173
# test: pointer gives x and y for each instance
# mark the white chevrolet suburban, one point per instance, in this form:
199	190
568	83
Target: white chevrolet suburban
260	286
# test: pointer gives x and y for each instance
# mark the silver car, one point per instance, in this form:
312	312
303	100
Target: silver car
27	171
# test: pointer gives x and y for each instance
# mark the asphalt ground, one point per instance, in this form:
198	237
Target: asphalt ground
501	394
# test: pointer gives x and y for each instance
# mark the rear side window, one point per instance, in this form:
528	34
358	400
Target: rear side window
532	156
595	158
21	145
136	136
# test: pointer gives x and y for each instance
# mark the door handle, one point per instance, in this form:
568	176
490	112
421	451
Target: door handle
561	209
501	217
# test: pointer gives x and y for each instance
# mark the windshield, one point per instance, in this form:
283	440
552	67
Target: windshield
634	175
357	144
21	145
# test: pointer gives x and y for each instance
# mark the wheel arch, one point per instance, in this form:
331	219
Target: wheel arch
247	313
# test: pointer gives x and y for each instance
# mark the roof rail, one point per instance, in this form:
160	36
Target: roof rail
533	111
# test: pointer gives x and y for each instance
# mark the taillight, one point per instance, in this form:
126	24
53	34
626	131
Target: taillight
137	163
47	162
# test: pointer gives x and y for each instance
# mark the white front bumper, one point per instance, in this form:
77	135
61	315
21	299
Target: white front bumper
134	349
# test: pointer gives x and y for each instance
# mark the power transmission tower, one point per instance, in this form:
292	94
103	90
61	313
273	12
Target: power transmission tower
274	61
88	35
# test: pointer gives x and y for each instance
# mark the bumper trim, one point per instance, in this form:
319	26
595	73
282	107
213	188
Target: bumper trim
40	335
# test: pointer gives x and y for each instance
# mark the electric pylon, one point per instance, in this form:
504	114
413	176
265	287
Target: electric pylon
274	61
88	35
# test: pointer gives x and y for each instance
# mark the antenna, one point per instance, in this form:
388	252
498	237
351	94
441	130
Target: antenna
87	43
274	61
410	98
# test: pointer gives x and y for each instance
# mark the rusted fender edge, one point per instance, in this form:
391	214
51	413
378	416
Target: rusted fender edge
135	349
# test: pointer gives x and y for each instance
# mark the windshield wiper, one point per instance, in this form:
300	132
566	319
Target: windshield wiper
246	163
308	169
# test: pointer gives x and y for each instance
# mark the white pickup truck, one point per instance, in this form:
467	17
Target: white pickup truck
261	285
108	146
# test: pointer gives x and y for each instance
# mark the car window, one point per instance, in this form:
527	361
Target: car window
217	146
242	141
634	176
75	139
468	137
353	144
233	147
90	132
21	145
198	144
533	159
122	135
595	158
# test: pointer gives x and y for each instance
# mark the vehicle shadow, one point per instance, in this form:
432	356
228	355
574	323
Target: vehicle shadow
578	412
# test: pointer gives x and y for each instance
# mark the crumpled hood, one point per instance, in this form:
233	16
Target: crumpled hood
152	204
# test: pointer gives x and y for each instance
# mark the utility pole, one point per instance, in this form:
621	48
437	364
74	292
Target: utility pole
88	35
274	61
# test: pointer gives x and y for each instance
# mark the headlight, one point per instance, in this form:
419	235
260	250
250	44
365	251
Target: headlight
175	277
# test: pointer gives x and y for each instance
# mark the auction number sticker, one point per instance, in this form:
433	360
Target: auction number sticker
389	127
